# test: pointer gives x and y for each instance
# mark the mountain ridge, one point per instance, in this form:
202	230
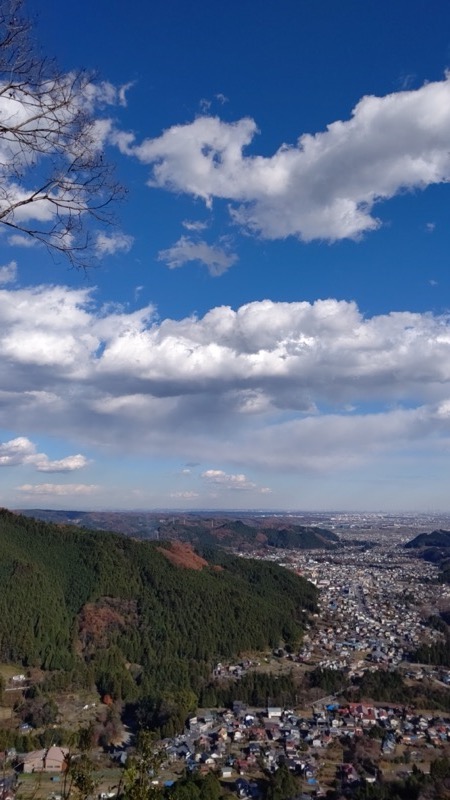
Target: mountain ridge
228	531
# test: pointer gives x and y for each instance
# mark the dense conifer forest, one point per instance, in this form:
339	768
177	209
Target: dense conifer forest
100	609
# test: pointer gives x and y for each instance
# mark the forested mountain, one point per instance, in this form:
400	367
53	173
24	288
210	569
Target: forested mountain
434	547
138	619
438	538
200	529
236	534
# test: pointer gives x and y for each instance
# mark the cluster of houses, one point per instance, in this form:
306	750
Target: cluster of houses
238	743
396	725
373	603
243	738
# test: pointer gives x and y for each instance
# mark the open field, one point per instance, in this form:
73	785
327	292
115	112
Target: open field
43	786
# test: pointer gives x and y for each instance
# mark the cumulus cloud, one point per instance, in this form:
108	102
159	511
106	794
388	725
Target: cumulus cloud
16	451
68	464
296	386
21	451
324	186
57	489
110	244
216	259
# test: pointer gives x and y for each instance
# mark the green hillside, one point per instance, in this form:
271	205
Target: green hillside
133	617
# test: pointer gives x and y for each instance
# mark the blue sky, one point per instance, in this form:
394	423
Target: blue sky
267	324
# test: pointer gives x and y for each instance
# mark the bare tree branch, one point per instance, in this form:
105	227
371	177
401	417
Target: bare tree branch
56	186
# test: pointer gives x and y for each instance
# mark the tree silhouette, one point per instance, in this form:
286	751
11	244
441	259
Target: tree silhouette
56	187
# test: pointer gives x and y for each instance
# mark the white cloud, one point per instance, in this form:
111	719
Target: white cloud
216	259
103	93
42	210
21	240
236	482
15	451
58	490
285	386
8	273
22	451
218	476
43	464
110	244
323	187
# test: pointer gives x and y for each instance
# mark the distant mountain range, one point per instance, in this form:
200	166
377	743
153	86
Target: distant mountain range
199	530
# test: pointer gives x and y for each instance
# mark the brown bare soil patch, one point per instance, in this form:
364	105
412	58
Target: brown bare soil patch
97	621
182	555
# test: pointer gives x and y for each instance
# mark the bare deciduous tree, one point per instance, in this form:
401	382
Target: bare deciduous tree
56	187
